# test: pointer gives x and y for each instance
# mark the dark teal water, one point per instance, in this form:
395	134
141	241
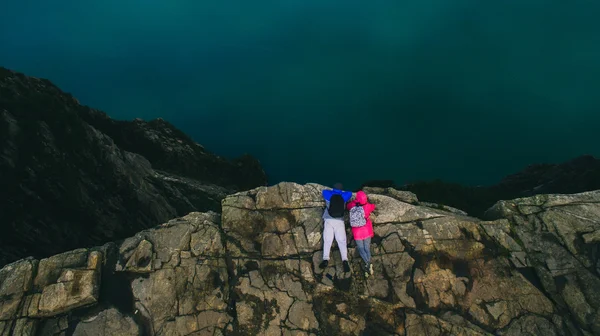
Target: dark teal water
462	90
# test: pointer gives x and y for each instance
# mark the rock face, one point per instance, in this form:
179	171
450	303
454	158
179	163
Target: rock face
169	149
578	175
66	183
532	269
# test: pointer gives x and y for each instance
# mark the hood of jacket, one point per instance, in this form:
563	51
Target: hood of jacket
361	197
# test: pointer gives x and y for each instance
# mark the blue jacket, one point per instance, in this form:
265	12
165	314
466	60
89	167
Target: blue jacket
346	195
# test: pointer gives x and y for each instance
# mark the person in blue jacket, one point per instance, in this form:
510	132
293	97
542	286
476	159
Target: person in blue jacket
334	226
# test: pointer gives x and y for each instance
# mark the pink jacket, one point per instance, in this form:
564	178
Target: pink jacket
365	231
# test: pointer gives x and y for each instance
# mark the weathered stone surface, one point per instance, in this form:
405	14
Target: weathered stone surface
187	291
441	287
500	294
53	326
552	229
107	322
400	195
141	259
15	280
50	269
74	287
25	327
447	324
444	208
254	270
532	325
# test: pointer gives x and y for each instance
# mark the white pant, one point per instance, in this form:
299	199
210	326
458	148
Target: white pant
334	228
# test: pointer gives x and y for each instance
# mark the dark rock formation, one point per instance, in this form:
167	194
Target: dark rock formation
578	175
65	183
533	270
169	149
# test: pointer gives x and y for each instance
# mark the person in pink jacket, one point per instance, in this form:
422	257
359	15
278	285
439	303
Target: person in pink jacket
363	234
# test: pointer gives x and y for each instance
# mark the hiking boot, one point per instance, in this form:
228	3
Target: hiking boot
367	274
324	264
346	266
371	269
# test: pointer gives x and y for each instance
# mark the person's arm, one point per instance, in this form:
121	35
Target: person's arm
346	195
369	207
327	194
350	205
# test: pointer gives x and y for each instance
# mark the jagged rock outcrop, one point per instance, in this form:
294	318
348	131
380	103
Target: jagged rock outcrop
560	235
409	197
401	195
169	149
66	184
578	175
253	270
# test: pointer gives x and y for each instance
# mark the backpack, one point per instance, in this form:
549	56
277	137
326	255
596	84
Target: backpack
357	216
336	206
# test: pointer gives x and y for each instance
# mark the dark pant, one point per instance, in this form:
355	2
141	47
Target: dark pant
364	249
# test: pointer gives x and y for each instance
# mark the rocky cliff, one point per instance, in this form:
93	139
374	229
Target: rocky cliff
169	149
71	177
531	269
